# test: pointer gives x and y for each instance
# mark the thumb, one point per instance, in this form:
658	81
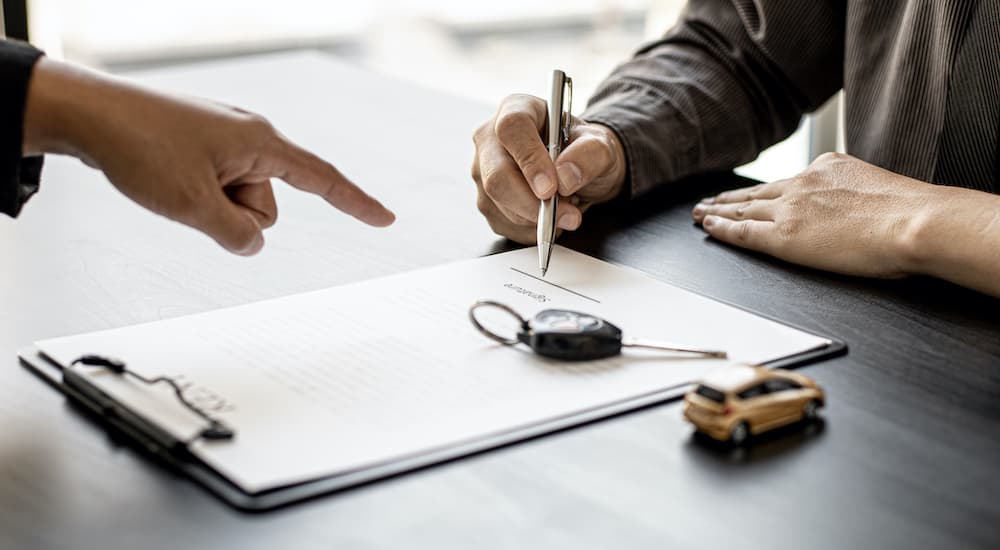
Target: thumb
588	157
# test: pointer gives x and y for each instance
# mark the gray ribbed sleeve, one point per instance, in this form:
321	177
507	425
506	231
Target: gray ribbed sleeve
733	77
970	136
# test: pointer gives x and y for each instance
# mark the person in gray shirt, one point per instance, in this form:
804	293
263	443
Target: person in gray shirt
916	193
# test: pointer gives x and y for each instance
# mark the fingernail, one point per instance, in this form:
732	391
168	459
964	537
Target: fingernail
709	221
568	221
699	209
543	184
569	176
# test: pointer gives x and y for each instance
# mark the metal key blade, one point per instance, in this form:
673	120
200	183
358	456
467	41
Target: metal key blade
663	346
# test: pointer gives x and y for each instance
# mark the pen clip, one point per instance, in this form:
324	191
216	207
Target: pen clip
559	108
567	114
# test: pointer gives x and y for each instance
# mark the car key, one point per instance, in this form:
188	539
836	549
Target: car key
575	336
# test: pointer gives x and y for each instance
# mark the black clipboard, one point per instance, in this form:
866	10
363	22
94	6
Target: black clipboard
149	440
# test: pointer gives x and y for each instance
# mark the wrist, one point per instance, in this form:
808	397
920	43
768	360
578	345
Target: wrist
62	109
913	240
932	236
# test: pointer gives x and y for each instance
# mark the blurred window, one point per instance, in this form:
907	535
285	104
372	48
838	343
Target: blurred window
498	48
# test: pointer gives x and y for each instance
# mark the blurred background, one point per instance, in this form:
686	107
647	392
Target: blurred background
482	51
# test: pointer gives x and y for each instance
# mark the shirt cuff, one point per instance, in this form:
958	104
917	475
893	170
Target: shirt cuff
19	175
656	150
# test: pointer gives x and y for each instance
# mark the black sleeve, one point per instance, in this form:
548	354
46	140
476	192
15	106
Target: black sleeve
18	175
730	79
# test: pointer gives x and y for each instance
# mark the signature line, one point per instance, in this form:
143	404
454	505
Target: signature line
541	280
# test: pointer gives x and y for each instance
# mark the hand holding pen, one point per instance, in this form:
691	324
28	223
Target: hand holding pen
513	170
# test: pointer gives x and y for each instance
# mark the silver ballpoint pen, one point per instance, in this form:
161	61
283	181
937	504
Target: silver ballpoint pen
558	133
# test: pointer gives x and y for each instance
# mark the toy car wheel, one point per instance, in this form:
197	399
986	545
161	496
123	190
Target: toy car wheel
811	410
739	433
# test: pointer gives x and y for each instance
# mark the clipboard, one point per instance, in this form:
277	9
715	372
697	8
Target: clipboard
157	445
507	419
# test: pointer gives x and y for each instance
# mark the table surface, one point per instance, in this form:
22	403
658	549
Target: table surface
907	457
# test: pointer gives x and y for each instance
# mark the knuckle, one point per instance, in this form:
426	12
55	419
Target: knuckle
530	159
830	156
602	151
794	204
743	233
474	170
484	205
258	124
522	102
493	184
506	124
596	150
788	227
260	133
826	161
513	126
482	132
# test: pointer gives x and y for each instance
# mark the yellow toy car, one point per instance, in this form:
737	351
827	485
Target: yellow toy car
744	400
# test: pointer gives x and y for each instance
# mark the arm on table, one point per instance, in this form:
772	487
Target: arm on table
848	216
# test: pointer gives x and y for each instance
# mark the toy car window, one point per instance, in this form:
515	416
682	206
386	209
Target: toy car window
753	391
710	393
780	385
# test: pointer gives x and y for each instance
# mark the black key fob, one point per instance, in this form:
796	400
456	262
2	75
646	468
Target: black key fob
571	336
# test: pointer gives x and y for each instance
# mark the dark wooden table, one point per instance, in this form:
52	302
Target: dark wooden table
908	456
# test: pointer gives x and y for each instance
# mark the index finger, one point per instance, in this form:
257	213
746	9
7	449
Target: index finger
308	172
518	125
770	190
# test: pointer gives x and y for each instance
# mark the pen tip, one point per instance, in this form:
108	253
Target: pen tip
544	269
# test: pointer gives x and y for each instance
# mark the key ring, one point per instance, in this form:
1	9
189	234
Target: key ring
489	333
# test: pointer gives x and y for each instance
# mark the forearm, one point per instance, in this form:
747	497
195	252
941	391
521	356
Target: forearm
67	109
715	91
957	238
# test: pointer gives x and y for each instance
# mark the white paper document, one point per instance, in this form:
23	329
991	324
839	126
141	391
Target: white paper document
338	380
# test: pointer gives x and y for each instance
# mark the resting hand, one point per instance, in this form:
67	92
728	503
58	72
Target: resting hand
841	214
200	163
513	171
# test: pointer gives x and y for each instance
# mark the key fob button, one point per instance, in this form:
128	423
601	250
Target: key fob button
565	321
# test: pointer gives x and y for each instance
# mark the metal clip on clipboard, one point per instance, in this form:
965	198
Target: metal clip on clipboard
105	405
